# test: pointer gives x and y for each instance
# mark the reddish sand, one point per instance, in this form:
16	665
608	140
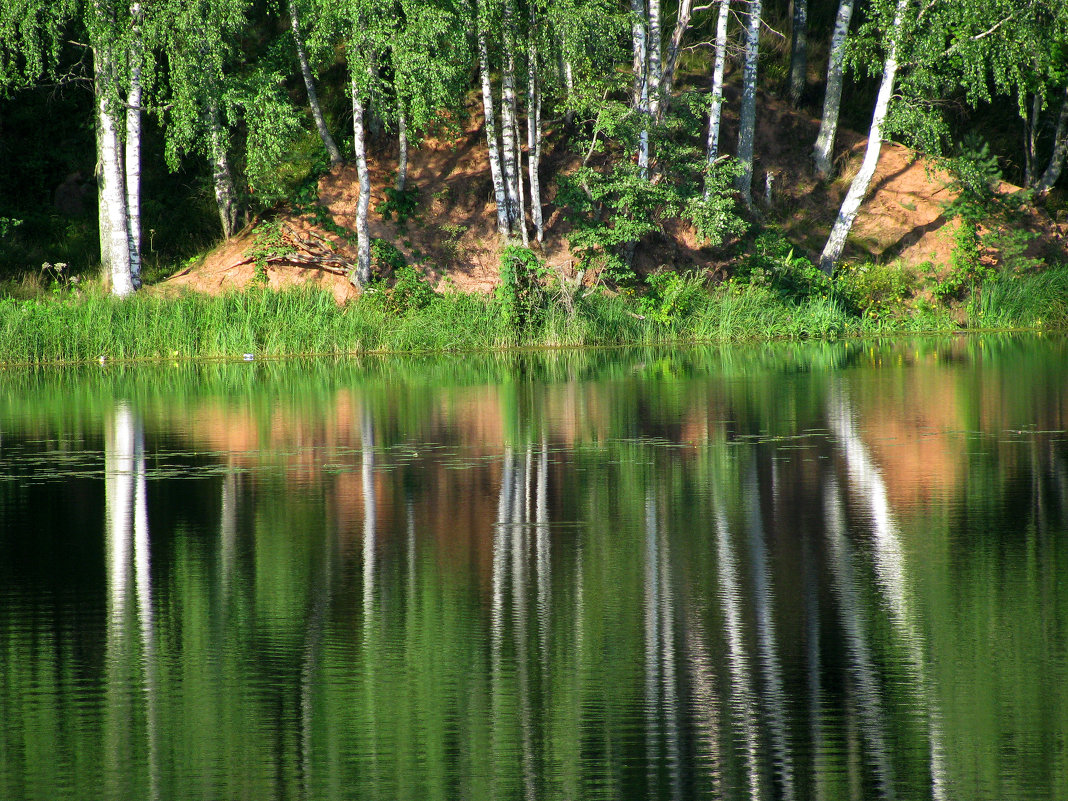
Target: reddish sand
454	238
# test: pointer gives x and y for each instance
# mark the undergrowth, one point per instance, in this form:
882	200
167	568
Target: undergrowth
776	294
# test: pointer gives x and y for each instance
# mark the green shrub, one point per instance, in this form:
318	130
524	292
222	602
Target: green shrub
521	293
874	290
773	263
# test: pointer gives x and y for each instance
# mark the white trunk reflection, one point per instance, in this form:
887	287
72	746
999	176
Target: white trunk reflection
861	663
131	645
867	482
743	701
770	666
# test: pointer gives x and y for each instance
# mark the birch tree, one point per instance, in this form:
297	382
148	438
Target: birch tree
204	97
832	98
747	114
106	22
715	108
798	51
835	244
332	150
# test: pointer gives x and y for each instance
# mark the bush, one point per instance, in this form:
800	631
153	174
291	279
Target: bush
521	294
773	263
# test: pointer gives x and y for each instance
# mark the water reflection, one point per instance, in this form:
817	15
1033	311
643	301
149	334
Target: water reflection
658	575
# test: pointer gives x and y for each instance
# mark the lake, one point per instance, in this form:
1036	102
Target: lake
791	571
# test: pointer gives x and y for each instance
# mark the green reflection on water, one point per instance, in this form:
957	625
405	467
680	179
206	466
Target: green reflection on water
803	571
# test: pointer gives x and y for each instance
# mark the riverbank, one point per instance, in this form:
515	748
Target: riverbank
90	326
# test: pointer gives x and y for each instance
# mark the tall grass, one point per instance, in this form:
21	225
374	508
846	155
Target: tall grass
263	322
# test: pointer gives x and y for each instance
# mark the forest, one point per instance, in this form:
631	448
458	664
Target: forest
137	135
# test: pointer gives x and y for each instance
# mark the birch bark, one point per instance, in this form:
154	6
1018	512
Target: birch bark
363	237
221	173
509	112
133	147
492	142
667	80
115	238
832	99
402	148
655	62
747	115
534	128
832	251
1060	150
309	85
715	108
798	52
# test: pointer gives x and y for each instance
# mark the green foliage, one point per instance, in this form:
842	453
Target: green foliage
401	203
7	225
975	177
386	258
521	294
670	297
409	292
874	290
773	263
613	206
267	243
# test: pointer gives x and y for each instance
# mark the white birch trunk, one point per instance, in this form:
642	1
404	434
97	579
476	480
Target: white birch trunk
133	148
655	61
798	52
363	237
402	148
522	218
534	134
509	140
309	85
103	220
832	251
534	127
221	174
747	116
832	99
113	192
1060	150
492	143
640	59
667	79
715	108
1031	126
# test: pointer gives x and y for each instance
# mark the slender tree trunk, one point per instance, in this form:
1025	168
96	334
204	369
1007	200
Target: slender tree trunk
832	251
133	148
747	116
492	142
509	112
1060	150
798	52
1031	126
309	85
639	47
832	99
640	88
402	148
222	175
534	128
115	238
102	217
715	108
522	218
667	80
363	236
656	69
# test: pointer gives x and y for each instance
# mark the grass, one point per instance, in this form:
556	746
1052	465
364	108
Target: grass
71	327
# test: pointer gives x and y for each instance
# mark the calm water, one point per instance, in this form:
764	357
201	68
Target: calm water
823	572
